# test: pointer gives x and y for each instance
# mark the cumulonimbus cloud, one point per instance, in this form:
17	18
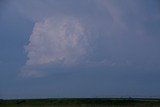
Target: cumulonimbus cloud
104	32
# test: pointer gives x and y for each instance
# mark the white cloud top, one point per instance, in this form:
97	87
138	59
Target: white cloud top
57	40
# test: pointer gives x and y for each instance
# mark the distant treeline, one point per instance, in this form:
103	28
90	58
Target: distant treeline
79	101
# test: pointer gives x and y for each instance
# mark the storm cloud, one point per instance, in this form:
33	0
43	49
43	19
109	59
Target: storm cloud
108	33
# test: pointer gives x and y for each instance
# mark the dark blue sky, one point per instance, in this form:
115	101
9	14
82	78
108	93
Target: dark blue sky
79	48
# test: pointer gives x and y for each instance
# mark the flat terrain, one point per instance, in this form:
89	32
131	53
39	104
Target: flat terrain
82	102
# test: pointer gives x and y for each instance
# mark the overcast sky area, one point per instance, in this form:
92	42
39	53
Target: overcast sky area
79	48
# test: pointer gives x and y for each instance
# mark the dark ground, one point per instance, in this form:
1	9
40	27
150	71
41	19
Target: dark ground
83	102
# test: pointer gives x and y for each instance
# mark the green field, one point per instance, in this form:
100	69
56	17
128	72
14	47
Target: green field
82	102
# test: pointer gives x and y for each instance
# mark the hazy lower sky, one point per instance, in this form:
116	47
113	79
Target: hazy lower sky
79	48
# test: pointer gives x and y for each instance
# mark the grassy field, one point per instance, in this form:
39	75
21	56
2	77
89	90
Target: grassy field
81	102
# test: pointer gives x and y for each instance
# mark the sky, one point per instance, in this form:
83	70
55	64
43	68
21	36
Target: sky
79	48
